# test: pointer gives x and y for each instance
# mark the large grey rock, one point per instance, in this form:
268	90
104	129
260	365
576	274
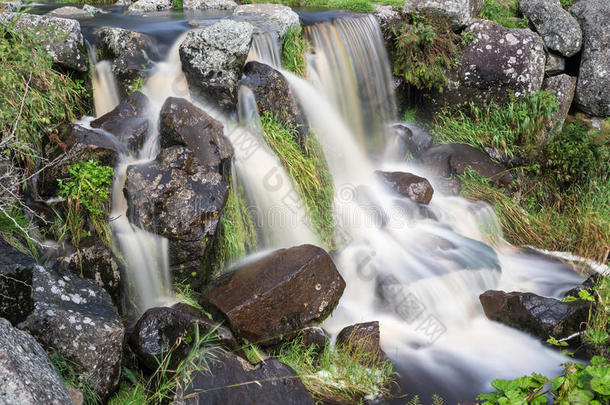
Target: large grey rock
559	30
212	59
279	14
563	86
145	6
61	37
499	61
67	313
209	4
273	94
27	377
455	13
177	197
593	87
70	12
278	294
389	20
230	380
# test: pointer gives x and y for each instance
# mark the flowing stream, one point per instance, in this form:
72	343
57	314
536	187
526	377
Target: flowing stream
419	272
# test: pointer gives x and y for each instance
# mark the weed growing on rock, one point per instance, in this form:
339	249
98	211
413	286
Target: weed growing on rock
309	172
294	51
338	375
505	13
68	371
422	54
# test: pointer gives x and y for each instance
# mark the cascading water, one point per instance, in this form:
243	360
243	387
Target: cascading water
265	48
348	67
105	88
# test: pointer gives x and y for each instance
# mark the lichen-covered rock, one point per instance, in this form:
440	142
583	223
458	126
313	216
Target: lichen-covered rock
209	4
145	6
592	89
177	197
408	185
450	159
455	13
93	10
69	314
27	376
389	20
555	64
61	37
273	94
231	380
499	61
559	30
278	294
162	329
212	59
281	15
70	12
563	86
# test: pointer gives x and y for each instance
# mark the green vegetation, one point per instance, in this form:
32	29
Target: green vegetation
17	229
566	4
410	115
308	170
423	53
254	354
70	375
338	375
88	188
505	13
178	5
580	383
131	392
294	51
360	6
436	400
516	127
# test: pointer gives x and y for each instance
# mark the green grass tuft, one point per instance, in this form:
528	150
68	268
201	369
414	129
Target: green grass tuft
505	13
309	172
294	51
70	375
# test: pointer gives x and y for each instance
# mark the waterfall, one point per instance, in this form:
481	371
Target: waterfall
350	66
265	48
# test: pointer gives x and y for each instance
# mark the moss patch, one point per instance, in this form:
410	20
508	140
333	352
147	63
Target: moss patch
505	13
294	51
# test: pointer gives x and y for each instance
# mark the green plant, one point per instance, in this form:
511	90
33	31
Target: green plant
254	354
88	187
185	294
410	115
338	375
360	6
294	51
17	229
73	377
522	390
132	391
505	13
178	5
566	3
423	53
309	172
436	400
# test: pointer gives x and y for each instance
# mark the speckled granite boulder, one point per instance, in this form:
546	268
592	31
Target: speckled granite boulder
145	6
62	37
209	4
281	15
563	86
212	59
456	13
27	376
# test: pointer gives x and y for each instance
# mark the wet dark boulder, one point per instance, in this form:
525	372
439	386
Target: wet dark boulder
499	62
592	95
232	380
26	373
182	123
136	105
273	94
410	140
558	28
314	337
16	271
132	132
362	339
278	294
455	13
175	196
212	60
536	315
75	144
61	38
450	159
408	185
160	330
563	86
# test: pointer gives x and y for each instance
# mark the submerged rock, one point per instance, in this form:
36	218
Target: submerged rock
559	30
61	37
411	140
209	4
162	329
363	339
136	105
212	60
70	12
455	13
499	62
563	86
273	94
69	314
26	373
531	313
592	94
449	159
409	185
282	16
278	294
231	380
